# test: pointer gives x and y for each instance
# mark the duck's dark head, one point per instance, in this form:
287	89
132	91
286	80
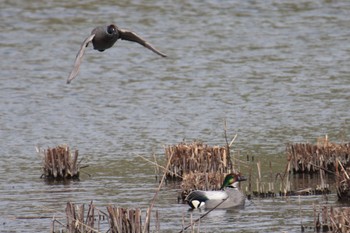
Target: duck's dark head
112	29
232	180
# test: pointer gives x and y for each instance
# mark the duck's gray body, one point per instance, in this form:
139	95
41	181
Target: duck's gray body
104	37
229	198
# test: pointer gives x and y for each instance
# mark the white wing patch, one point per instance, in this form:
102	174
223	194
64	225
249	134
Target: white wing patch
215	195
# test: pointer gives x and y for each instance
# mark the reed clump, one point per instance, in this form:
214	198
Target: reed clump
59	163
310	158
125	220
332	219
78	222
197	157
115	220
198	166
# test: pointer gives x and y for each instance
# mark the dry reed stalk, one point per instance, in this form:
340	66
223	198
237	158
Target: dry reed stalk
71	217
58	163
156	168
249	188
90	217
149	210
159	166
300	216
197	157
258	181
157	222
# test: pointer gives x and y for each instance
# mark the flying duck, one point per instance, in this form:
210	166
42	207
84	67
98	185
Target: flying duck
229	195
104	37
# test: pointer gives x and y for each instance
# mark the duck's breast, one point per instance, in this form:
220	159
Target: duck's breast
103	40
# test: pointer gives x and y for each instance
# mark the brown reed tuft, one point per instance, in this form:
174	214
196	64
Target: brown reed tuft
310	158
197	157
59	163
200	166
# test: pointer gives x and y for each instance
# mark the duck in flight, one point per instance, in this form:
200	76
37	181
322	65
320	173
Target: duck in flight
104	37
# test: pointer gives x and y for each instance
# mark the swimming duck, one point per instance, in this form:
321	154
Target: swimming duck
229	195
104	37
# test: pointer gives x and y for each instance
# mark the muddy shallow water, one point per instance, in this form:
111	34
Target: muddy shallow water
277	72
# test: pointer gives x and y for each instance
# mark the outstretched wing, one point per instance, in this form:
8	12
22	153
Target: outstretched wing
79	58
131	36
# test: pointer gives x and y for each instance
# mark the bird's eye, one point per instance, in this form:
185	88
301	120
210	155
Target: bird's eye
111	29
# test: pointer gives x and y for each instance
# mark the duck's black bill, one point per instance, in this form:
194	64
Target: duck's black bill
241	178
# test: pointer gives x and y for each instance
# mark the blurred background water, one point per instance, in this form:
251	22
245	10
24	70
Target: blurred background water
276	71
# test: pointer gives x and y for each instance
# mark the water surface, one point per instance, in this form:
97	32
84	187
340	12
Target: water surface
277	72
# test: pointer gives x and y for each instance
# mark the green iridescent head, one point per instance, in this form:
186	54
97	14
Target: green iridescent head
231	180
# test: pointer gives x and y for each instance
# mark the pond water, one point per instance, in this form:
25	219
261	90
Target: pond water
276	71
